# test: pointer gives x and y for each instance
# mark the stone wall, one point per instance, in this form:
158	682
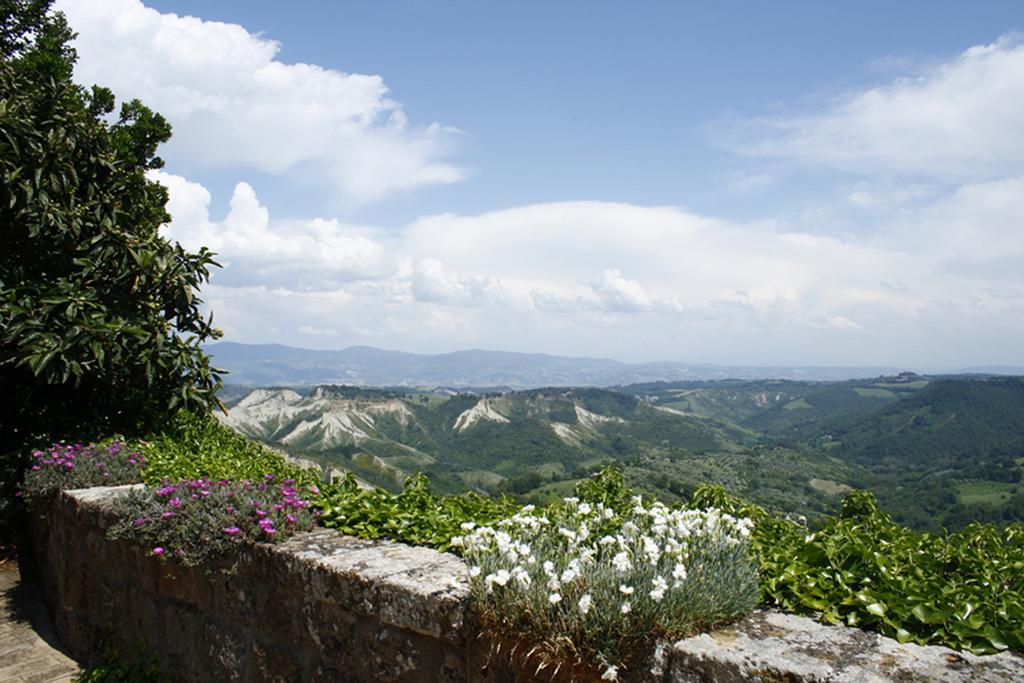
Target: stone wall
322	606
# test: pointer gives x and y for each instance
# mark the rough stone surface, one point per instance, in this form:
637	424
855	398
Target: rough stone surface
772	646
29	650
325	607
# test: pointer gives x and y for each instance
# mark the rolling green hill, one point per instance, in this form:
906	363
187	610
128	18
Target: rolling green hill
936	451
534	443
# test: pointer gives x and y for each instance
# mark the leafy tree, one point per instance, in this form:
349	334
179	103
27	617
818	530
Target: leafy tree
100	326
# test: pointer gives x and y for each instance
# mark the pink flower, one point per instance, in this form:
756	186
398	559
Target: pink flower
158	550
231	530
175	502
167	514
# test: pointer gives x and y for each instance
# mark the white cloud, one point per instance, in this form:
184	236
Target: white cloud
232	103
431	283
616	293
955	121
318	331
314	255
842	323
623	280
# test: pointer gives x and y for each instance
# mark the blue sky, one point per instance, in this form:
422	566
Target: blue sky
762	183
603	100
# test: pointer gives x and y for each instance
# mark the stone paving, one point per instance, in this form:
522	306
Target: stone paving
29	650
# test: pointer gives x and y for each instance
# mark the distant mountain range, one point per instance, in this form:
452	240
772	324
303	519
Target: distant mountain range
277	365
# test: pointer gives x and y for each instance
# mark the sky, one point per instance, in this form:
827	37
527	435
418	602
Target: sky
743	183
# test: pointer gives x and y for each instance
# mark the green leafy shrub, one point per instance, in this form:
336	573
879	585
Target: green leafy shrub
100	325
74	466
198	520
198	446
580	582
964	590
415	515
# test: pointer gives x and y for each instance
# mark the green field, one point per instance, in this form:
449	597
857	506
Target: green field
481	479
985	492
874	393
832	488
916	384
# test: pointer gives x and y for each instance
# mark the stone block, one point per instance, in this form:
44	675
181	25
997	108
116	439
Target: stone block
772	646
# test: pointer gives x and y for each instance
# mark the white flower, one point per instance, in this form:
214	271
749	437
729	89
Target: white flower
553	583
626	608
467	526
568	575
522	577
457	540
660	586
499	577
651	549
625	590
679	572
607	540
549	567
584	603
474	571
584	508
555	598
611	673
621	562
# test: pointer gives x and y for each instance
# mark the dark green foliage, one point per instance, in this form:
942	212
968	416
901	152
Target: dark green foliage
140	666
100	328
919	449
415	515
964	590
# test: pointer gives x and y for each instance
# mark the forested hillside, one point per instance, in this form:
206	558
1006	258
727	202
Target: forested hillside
936	451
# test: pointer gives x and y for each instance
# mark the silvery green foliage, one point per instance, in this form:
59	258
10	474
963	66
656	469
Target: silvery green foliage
583	583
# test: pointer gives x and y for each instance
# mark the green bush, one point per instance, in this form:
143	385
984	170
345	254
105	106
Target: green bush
100	325
964	590
415	515
198	446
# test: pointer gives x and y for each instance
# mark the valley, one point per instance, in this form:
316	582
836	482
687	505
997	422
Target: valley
937	451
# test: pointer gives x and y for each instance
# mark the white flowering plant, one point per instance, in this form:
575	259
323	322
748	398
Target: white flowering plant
596	584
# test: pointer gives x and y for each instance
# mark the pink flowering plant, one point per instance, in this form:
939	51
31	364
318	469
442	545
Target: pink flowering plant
74	466
198	520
